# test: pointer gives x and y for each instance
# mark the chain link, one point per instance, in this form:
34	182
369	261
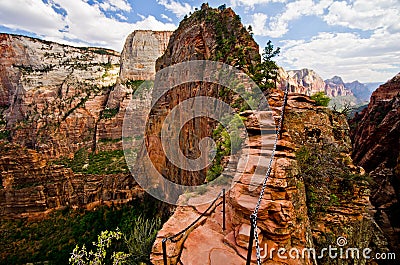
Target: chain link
264	185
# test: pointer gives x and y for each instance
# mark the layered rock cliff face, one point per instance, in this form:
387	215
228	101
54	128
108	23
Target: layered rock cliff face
32	187
309	81
301	208
61	102
54	94
141	50
376	142
209	34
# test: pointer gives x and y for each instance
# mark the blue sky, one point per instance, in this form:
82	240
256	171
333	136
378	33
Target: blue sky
355	39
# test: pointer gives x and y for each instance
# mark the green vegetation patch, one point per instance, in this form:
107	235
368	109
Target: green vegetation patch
109	113
5	134
228	141
54	238
321	99
328	178
106	162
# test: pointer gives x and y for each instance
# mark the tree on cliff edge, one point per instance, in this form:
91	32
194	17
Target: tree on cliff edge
266	72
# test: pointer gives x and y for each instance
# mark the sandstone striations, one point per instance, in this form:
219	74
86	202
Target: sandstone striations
297	211
61	102
376	142
142	48
209	34
31	186
336	87
54	93
308	82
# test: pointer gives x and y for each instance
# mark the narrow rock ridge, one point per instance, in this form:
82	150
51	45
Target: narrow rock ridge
283	219
200	37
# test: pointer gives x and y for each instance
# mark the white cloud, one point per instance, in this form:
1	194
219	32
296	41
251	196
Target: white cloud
164	16
365	14
278	25
179	9
84	24
31	16
345	54
121	17
116	5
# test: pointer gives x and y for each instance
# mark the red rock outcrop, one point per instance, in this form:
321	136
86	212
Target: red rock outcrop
336	87
308	80
54	94
56	100
376	143
284	218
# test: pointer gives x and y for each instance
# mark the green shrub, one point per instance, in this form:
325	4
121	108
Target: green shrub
5	135
53	239
80	256
139	240
109	113
326	174
321	99
228	141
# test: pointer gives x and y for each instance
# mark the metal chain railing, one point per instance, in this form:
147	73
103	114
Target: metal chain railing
175	238
253	216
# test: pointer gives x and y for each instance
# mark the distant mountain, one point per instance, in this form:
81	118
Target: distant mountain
335	87
373	86
307	81
360	91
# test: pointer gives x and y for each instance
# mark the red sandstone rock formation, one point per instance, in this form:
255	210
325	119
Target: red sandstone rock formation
285	218
376	144
32	187
209	34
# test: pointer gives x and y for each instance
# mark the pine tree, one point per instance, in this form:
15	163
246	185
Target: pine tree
266	72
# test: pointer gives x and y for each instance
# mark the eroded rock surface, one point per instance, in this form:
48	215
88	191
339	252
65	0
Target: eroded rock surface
284	218
376	143
56	101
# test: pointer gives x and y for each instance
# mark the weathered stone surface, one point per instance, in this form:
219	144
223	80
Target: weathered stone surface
141	50
54	94
336	87
57	99
376	143
197	38
283	218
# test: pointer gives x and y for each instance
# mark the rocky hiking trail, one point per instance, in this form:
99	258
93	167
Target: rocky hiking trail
207	242
286	217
